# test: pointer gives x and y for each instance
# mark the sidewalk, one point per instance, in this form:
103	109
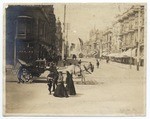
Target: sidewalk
124	66
120	65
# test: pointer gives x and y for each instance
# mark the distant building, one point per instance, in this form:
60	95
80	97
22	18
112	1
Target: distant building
93	46
125	40
107	42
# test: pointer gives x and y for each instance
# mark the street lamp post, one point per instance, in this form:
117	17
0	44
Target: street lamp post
138	39
131	58
63	40
67	35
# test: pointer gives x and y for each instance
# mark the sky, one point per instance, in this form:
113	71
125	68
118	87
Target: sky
84	17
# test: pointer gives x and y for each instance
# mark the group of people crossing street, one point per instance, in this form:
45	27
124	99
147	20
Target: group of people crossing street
63	88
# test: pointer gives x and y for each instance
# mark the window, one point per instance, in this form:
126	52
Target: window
24	27
136	22
41	29
21	27
29	27
142	35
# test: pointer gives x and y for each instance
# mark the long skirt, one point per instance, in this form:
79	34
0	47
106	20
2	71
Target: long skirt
60	91
70	87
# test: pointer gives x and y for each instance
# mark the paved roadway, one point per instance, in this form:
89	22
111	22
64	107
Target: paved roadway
112	90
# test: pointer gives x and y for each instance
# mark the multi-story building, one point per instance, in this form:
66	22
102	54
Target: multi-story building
94	43
116	39
107	42
132	32
30	33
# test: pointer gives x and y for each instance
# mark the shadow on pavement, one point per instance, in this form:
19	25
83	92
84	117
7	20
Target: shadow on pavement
34	81
86	83
77	95
12	81
39	81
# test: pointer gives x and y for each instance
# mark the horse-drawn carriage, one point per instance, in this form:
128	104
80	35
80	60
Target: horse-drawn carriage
29	70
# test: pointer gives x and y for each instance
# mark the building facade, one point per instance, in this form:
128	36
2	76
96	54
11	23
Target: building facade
30	33
93	46
116	39
132	33
107	42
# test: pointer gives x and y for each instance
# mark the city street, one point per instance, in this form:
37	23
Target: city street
112	90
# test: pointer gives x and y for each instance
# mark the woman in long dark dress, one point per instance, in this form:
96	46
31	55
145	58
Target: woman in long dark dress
97	63
60	90
70	84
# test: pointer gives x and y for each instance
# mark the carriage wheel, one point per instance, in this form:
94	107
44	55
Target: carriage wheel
25	76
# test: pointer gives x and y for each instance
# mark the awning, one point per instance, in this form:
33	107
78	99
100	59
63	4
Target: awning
134	52
128	53
119	55
113	55
141	57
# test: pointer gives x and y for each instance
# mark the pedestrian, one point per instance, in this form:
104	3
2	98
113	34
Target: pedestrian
97	63
107	60
82	75
50	81
20	73
60	89
55	78
65	57
54	75
91	67
70	84
79	62
74	57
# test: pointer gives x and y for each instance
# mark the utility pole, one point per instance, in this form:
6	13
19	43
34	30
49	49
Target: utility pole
15	45
64	35
138	39
67	43
131	58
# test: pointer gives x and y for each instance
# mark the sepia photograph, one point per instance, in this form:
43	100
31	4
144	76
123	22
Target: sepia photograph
75	59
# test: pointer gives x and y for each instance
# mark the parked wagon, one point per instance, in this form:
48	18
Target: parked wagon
27	71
